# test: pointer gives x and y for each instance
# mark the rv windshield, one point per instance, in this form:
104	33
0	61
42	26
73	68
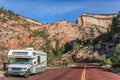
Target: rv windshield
21	61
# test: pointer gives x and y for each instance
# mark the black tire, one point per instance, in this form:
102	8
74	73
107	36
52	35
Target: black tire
7	75
27	74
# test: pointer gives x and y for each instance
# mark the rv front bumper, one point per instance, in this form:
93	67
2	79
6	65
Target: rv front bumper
16	72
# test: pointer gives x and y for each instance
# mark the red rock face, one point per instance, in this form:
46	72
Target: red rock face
86	20
14	33
63	31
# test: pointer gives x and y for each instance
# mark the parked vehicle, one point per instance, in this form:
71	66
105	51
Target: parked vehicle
27	61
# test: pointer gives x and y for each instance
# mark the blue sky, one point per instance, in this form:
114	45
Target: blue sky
49	11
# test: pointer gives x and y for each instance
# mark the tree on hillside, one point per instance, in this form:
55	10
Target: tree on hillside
49	50
115	28
91	34
40	33
8	13
47	47
3	11
44	33
116	57
76	46
117	54
59	49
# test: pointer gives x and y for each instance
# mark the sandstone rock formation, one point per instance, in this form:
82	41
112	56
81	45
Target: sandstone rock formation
104	20
63	31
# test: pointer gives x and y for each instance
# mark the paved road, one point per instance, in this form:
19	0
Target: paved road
83	71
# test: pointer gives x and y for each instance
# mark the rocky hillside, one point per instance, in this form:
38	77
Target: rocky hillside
63	31
101	40
17	32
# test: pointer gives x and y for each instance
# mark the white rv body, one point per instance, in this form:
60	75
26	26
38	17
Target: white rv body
26	61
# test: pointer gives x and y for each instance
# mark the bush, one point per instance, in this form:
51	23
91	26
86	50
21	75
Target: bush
116	57
107	62
118	49
71	61
94	59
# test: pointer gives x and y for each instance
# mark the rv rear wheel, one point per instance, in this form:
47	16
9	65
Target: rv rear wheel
27	73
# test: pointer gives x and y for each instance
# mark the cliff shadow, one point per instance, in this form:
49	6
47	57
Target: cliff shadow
105	43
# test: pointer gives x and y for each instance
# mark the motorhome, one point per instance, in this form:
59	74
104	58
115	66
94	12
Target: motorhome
26	61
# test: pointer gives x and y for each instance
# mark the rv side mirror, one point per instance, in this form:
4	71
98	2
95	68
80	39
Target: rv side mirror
34	62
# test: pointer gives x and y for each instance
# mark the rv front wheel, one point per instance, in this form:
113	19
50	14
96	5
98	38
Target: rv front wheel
7	75
27	73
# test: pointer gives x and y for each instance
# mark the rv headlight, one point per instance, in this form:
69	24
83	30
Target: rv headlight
24	69
9	69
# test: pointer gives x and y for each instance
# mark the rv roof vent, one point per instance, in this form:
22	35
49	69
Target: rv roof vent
30	48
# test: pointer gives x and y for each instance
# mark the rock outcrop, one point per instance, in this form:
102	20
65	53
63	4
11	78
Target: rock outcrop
104	20
63	31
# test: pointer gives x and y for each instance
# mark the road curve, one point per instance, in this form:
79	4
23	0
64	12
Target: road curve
83	71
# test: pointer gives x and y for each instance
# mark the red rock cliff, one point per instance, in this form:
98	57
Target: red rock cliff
103	20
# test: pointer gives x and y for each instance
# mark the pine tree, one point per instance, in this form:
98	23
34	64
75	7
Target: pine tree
59	49
115	28
76	46
49	49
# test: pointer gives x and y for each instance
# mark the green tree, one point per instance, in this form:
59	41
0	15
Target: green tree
47	46
116	57
59	49
76	46
49	49
118	49
51	58
43	33
115	28
117	53
91	35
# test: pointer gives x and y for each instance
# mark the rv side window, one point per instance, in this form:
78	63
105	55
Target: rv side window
34	62
33	53
38	59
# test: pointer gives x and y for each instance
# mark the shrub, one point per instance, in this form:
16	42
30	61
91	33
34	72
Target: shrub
116	57
118	49
94	59
107	62
71	61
